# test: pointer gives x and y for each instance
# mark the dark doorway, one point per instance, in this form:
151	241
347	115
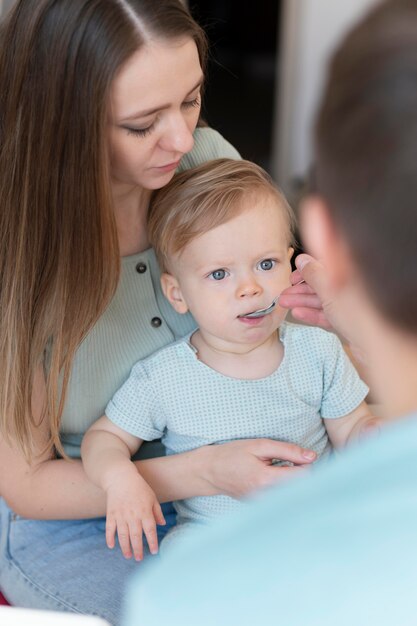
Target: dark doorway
240	89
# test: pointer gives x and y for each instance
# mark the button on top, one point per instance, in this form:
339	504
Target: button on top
156	322
141	268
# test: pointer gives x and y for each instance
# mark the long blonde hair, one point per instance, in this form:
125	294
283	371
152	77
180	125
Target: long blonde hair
59	255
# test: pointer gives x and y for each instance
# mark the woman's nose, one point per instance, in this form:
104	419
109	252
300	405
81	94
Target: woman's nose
178	136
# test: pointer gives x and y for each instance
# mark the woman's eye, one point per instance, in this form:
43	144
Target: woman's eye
267	264
218	274
140	132
189	104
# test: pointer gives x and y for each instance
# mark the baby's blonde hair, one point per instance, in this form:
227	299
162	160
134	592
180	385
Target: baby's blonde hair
205	197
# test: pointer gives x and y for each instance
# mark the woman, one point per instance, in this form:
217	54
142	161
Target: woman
99	101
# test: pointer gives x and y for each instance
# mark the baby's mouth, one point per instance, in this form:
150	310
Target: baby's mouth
262	312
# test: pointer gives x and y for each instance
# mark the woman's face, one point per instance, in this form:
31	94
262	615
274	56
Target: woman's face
155	105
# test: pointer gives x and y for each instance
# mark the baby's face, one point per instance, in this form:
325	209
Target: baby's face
235	269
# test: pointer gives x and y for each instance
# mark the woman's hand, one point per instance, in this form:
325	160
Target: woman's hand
240	467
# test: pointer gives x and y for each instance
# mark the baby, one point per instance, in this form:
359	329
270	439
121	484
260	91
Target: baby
222	233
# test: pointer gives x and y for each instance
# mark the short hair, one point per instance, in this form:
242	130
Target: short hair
202	198
366	154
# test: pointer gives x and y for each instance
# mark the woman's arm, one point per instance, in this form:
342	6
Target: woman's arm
234	469
60	489
46	488
50	488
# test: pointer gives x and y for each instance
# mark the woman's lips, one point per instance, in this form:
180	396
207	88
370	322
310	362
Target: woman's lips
168	167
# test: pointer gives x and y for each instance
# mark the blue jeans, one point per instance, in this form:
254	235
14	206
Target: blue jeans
65	565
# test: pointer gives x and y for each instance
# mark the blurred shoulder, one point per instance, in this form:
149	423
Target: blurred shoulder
208	144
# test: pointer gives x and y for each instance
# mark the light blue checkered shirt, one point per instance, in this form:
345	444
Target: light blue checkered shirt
173	395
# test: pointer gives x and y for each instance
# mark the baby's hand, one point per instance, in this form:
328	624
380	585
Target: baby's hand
132	509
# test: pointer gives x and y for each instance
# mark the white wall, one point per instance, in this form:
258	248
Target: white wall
310	31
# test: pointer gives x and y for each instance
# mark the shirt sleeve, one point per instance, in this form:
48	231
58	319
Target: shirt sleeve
134	407
343	390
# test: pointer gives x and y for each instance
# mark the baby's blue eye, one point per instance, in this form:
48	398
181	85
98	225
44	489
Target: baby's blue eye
267	264
218	274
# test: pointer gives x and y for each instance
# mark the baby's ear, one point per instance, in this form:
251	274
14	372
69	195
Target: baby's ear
173	293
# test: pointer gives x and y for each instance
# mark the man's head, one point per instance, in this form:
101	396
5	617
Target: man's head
366	161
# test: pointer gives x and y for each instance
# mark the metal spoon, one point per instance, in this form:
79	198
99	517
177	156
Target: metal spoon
262	312
268	309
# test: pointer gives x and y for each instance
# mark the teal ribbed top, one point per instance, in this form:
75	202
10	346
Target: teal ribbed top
137	322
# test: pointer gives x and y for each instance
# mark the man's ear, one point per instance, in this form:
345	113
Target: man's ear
323	240
173	293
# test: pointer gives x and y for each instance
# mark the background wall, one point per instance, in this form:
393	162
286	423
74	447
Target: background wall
310	30
240	82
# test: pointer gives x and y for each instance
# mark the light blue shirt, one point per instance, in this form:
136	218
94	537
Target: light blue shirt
175	396
335	548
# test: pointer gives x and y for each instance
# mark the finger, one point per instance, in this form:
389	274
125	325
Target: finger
270	449
298	284
296	277
273	474
314	274
149	529
311	316
290	299
299	288
159	516
110	532
136	539
278	474
124	539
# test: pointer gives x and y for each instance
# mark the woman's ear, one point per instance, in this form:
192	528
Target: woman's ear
323	240
173	293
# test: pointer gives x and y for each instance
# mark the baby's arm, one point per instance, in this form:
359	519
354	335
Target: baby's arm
355	425
132	507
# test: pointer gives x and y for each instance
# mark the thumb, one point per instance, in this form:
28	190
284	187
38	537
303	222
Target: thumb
302	259
314	274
